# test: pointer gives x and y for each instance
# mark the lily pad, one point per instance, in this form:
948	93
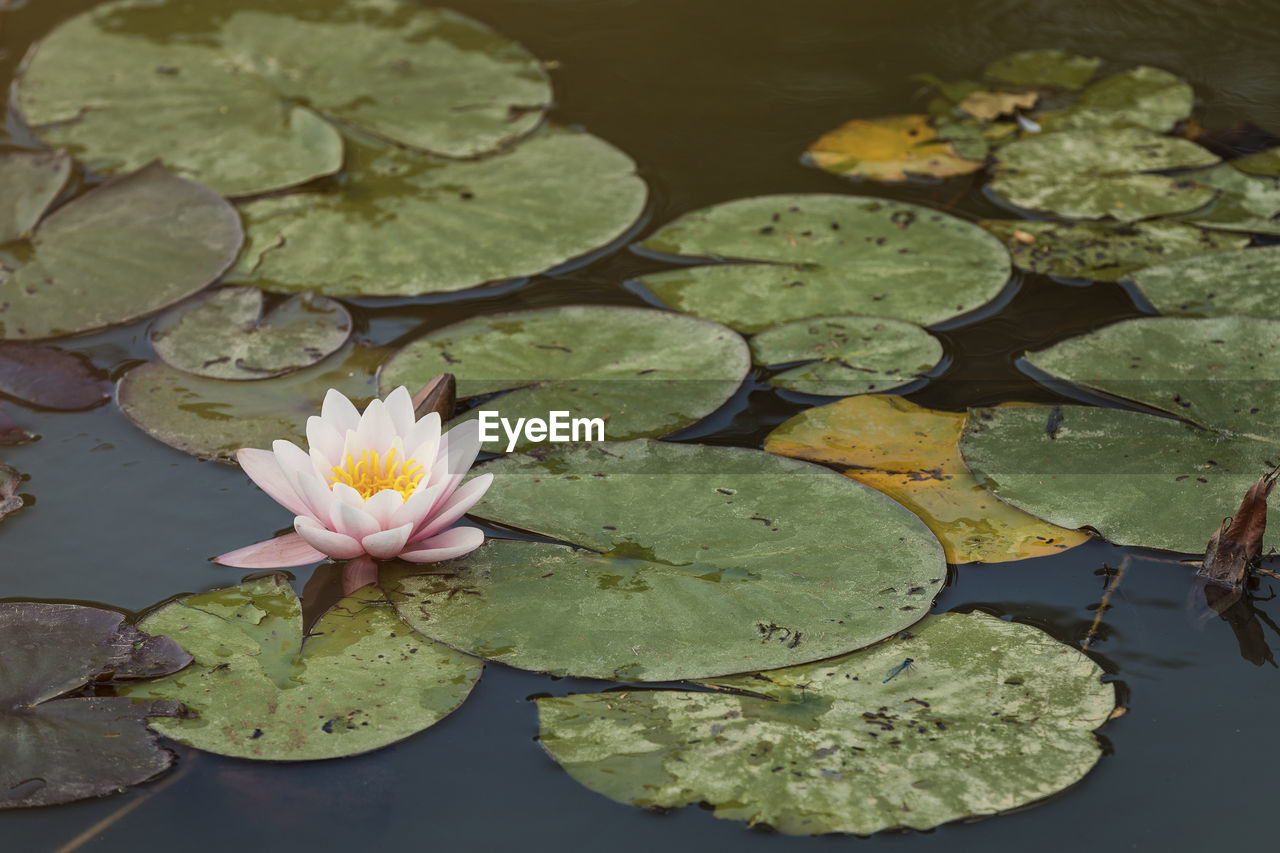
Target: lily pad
846	355
791	257
1050	69
681	562
646	373
10	500
227	335
1263	163
1089	174
912	454
1104	252
403	224
990	716
31	181
1245	202
1216	284
360	680
988	106
216	417
58	748
51	378
1144	97
889	149
119	252
251	91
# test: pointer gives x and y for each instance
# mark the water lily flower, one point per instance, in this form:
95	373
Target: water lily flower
379	484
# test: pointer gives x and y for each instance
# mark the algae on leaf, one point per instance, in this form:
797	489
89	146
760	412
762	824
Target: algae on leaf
1215	284
1052	69
1143	97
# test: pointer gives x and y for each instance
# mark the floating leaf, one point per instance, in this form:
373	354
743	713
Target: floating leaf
119	252
226	334
1144	97
251	91
846	355
889	149
61	749
646	373
1244	202
51	378
31	181
360	680
790	257
1215	284
1052	69
686	562
991	716
10	500
989	106
216	417
1263	163
1104	252
1089	174
403	224
912	454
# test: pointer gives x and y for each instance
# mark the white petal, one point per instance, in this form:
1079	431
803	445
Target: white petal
445	546
376	430
425	433
386	544
463	445
347	495
418	507
399	405
325	443
292	458
339	411
264	469
383	506
456	506
352	521
336	545
317	495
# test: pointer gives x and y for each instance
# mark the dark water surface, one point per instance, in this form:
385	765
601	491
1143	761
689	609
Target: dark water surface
715	99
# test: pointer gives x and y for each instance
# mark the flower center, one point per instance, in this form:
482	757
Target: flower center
368	475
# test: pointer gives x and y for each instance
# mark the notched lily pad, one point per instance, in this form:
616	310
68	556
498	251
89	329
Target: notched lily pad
51	378
792	257
645	373
1215	285
1143	97
58	748
227	335
121	251
360	680
31	181
1050	69
989	716
681	562
889	149
846	355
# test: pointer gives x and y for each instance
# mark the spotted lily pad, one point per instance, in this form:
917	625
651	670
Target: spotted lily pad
227	335
1104	252
1245	202
989	716
1050	69
686	562
1089	174
51	378
360	680
58	745
889	149
912	455
403	224
119	252
791	257
646	373
1263	163
10	500
843	356
31	181
251	91
1142	97
1216	284
216	417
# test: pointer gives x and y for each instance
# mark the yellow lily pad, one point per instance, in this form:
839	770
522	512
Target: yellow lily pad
912	454
889	149
992	105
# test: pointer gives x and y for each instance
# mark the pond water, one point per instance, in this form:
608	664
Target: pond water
714	100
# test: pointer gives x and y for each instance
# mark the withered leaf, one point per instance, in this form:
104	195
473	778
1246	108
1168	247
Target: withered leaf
1237	544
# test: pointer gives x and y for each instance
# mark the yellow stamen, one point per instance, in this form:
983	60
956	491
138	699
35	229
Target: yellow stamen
368	475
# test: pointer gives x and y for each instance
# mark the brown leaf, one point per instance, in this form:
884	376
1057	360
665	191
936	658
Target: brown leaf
991	105
1237	545
51	378
438	395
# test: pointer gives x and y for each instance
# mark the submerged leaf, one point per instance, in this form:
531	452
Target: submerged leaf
31	181
1236	546
11	432
51	378
10	500
990	716
1142	97
889	149
1054	69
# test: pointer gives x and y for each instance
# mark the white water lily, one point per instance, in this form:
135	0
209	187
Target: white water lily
379	484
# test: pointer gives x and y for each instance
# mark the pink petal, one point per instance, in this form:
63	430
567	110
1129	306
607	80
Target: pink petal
416	509
263	469
352	521
317	495
339	411
399	405
281	552
292	458
359	573
424	437
336	545
383	506
446	546
456	507
386	544
458	449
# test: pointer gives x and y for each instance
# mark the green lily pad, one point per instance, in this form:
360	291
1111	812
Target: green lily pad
646	373
119	252
10	500
403	224
682	562
790	257
1104	252
1245	202
216	417
250	91
1050	69
1216	284
846	355
360	680
59	747
989	716
1144	97
31	181
1089	174
226	334
1263	163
